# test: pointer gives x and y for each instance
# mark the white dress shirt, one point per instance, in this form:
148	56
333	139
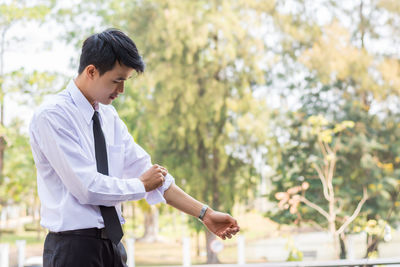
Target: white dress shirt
69	186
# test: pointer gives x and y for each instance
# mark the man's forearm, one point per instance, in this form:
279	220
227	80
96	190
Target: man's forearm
220	224
179	199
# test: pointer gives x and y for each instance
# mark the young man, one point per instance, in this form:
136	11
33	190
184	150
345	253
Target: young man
88	163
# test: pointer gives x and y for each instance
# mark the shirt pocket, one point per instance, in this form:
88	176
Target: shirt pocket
116	157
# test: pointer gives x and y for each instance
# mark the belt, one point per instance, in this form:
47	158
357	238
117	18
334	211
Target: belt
92	232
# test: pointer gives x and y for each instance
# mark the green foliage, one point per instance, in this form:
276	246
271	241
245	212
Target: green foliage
193	109
343	80
294	253
19	184
21	11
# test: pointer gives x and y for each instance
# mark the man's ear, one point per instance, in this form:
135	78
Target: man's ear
91	71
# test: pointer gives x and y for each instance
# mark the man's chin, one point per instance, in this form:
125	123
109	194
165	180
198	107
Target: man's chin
106	102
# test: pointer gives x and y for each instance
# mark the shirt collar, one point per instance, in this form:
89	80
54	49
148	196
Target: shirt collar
80	101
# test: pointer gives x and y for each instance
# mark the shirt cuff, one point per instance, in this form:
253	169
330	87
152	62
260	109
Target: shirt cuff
157	195
137	186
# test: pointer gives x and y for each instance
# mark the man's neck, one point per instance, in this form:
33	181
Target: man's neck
82	86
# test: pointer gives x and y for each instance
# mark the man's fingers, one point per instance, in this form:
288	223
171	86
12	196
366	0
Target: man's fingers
234	222
235	225
231	231
235	228
161	177
164	171
228	233
161	169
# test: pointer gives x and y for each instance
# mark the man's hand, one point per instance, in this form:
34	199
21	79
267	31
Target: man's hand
221	224
153	177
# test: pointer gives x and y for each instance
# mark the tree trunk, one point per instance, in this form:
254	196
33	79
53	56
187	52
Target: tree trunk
2	148
2	139
212	257
36	216
343	250
372	245
150	226
335	236
336	245
198	243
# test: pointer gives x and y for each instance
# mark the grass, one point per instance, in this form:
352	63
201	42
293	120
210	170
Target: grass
30	237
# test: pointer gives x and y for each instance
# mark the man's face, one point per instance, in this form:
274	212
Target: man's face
106	88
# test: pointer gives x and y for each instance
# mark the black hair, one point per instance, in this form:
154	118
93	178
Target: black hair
104	49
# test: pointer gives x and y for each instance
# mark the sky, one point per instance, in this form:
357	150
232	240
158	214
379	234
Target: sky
35	51
39	49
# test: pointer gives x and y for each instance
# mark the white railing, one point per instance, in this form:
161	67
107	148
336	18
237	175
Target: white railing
360	262
186	262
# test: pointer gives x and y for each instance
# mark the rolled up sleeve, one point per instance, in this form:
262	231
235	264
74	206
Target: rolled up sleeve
138	161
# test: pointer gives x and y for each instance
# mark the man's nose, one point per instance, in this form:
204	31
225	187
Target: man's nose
121	87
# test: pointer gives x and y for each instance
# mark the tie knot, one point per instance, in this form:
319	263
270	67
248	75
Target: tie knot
95	117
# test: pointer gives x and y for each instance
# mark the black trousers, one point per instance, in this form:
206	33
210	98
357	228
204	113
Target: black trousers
65	250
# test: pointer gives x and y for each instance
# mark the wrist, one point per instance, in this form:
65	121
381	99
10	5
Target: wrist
144	185
203	212
206	216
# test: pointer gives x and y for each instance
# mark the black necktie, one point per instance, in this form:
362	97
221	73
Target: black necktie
111	221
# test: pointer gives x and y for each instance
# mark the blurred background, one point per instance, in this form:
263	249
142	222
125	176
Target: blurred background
284	113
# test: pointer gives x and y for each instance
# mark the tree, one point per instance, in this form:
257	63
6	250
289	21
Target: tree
328	142
343	78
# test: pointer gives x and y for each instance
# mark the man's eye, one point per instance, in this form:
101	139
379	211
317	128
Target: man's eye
116	81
